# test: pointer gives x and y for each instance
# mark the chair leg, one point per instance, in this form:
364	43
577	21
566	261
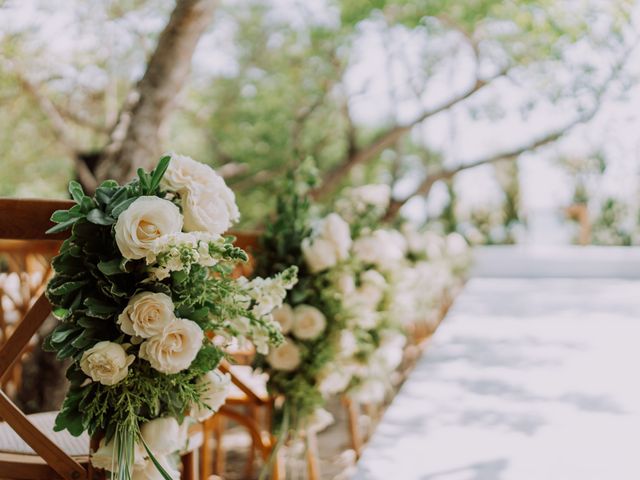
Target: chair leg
253	412
188	466
206	460
312	456
354	430
278	470
218	430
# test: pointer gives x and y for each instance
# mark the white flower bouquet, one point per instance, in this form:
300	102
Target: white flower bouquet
141	286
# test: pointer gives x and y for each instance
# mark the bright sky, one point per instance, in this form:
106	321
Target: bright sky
545	187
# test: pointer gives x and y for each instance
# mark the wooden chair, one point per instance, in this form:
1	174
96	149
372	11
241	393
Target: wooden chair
28	269
248	404
29	449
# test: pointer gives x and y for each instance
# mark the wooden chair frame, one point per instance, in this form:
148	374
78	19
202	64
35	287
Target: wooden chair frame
29	220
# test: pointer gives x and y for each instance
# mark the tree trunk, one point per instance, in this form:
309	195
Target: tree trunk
136	140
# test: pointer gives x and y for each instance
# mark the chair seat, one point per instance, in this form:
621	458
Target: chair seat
255	381
10	441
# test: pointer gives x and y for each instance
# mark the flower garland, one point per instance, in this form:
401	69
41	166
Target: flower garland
373	345
314	317
141	286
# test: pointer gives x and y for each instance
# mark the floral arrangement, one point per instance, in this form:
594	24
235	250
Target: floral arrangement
373	295
438	266
339	332
315	318
142	287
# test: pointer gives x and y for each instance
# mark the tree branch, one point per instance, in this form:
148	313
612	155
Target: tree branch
136	139
425	187
391	136
56	120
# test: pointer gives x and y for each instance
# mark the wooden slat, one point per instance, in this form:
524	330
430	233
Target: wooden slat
56	458
246	240
224	367
17	343
29	219
31	467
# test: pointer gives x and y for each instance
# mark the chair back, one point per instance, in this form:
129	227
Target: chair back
29	220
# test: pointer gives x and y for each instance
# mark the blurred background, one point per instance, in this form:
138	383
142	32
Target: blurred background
507	121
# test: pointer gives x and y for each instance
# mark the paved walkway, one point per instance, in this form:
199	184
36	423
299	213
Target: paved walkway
527	379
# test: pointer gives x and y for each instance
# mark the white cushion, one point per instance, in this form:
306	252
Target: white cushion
10	441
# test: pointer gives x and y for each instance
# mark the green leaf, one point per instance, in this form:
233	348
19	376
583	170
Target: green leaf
61	227
108	184
87	204
199	315
145	181
100	309
60	313
75	189
162	471
75	375
67	287
60	216
84	340
158	173
70	417
98	217
67	351
119	196
111	267
63	332
122	206
179	276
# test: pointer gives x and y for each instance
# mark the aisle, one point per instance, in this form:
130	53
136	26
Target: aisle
527	379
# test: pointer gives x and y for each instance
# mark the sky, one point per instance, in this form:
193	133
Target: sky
458	135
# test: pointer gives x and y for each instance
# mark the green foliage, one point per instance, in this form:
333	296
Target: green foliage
93	284
281	246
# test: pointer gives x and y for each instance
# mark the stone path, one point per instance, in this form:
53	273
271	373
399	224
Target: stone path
527	379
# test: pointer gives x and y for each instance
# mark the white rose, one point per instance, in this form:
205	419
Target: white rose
456	245
376	195
146	219
389	358
320	254
150	472
335	381
163	435
371	292
346	284
382	248
348	343
335	230
185	173
146	314
374	278
366	319
260	340
390	353
286	357
241	324
216	387
284	316
308	323
370	391
173	350
211	209
434	245
103	456
319	420
106	362
207	203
